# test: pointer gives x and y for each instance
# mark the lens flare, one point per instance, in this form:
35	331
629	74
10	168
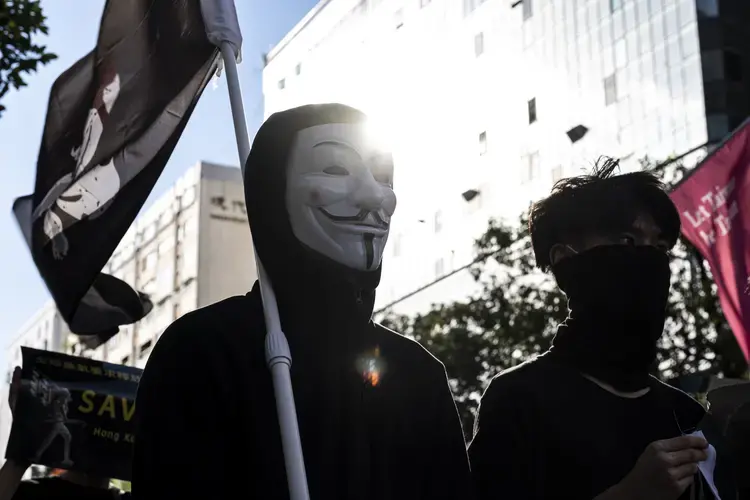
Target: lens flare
372	367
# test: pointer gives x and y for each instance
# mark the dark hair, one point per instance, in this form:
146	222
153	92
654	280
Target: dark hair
599	203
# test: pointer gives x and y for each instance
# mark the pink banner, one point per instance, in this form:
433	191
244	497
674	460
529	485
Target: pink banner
714	205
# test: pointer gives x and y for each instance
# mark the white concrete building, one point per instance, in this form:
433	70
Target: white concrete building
191	248
478	96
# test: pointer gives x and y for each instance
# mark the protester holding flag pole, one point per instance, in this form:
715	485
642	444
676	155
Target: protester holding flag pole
372	415
223	30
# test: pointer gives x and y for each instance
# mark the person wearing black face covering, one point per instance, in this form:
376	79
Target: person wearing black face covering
376	416
586	420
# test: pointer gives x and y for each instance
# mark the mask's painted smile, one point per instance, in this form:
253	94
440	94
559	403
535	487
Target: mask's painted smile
364	220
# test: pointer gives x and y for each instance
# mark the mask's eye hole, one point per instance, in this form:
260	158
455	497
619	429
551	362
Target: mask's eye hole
336	170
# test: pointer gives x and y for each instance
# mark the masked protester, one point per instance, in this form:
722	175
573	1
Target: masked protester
376	415
69	485
586	420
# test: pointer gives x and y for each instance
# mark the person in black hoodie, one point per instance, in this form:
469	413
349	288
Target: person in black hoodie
376	415
586	419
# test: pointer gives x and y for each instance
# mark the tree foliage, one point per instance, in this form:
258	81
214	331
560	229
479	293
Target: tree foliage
20	21
515	315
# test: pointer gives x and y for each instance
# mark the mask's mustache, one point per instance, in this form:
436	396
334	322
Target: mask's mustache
359	218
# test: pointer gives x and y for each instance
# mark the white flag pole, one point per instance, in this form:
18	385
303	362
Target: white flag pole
222	28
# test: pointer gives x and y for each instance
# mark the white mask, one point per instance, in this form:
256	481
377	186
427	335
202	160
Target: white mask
339	194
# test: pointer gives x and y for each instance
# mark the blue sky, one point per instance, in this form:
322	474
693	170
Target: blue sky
209	134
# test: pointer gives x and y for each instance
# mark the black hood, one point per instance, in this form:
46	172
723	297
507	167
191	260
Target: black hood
303	280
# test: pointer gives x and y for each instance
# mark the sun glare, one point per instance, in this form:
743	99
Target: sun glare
379	133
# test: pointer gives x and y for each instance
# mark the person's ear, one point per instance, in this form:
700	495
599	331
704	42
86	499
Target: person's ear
559	252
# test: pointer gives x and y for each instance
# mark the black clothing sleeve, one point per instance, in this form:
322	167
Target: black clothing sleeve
449	472
180	418
502	449
57	487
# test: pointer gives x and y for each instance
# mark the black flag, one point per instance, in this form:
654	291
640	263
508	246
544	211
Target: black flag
113	120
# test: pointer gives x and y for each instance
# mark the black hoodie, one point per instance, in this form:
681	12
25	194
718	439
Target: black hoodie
207	424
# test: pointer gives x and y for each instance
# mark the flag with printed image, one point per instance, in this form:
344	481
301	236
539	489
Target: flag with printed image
113	120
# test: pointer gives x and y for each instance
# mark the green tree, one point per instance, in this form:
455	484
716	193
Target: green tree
20	21
514	316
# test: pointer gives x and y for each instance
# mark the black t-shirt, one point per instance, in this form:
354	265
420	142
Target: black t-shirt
54	488
546	432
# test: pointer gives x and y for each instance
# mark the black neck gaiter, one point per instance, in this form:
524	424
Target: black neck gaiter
617	296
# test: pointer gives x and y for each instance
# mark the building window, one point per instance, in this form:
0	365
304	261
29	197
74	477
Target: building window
713	65
707	8
530	167
471	5
149	286
127	252
46	344
531	105
397	245
165	219
528	9
718	127
149	262
298	69
482	143
610	90
165	247
125	360
732	66
399	18
556	173
149	232
188	197
438	222
439	268
282	84
424	3
145	348
478	44
615	5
